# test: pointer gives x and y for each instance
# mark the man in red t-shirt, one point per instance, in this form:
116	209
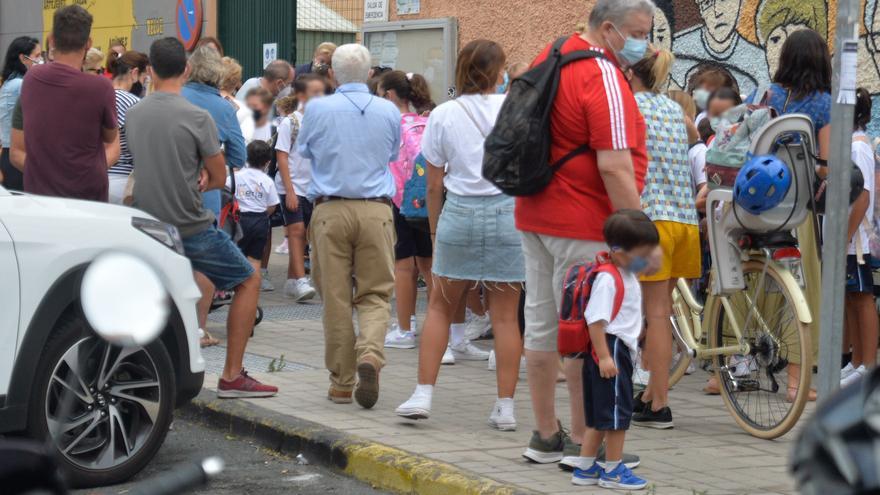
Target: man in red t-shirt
70	128
563	223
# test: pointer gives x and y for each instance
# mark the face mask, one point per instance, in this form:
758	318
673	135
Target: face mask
701	98
638	264
36	61
258	115
502	88
633	49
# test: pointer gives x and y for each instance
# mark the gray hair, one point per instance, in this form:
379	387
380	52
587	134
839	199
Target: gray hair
206	66
617	11
351	64
277	70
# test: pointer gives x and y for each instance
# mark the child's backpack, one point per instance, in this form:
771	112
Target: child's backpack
230	220
517	151
413	166
574	335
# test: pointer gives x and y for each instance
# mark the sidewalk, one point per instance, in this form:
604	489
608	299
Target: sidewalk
705	453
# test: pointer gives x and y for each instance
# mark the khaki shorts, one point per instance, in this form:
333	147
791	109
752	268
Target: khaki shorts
547	259
682	255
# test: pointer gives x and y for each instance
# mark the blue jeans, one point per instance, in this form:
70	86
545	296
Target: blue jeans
214	255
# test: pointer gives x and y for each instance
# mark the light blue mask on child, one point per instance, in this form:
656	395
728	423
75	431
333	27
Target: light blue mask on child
638	264
502	88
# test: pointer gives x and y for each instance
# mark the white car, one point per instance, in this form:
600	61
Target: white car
119	401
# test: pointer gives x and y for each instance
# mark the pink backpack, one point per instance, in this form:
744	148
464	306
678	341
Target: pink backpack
412	130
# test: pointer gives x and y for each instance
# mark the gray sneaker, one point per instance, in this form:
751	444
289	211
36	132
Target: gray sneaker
573	452
547	451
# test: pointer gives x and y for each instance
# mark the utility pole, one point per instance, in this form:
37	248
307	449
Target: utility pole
837	203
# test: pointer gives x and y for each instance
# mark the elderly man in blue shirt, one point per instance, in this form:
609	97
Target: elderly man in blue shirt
351	137
206	72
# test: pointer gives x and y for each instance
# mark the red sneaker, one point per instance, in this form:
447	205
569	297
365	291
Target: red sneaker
244	386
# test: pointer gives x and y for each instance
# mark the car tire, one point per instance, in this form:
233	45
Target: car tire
127	419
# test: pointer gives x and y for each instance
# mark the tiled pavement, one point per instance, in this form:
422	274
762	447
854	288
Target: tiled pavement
705	453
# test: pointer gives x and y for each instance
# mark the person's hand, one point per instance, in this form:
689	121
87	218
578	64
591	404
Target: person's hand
607	369
292	202
203	180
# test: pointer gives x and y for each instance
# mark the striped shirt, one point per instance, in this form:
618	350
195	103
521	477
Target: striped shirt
125	165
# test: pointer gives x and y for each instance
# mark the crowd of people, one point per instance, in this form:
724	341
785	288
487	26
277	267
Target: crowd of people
379	189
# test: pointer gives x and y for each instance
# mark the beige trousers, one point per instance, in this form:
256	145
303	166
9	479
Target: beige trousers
353	269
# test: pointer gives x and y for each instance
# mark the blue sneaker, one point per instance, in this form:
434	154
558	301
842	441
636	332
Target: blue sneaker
621	479
587	477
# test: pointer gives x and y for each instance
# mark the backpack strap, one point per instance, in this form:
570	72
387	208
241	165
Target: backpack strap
611	269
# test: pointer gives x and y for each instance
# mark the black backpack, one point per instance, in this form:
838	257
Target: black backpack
517	151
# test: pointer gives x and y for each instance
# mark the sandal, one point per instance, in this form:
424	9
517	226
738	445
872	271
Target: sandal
794	383
208	340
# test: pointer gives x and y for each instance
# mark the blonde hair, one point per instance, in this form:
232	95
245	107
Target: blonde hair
206	66
653	70
326	48
287	105
231	79
685	101
94	60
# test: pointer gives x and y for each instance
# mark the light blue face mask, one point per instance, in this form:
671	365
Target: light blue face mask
633	49
638	264
502	88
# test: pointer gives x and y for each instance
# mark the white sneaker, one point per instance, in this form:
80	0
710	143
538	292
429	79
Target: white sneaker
847	370
478	326
417	407
640	376
493	365
299	290
398	339
691	369
854	377
265	283
282	248
744	365
469	352
502	417
448	357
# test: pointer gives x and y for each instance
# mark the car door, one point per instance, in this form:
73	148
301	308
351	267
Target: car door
9	306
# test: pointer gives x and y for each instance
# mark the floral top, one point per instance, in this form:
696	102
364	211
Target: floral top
668	194
817	105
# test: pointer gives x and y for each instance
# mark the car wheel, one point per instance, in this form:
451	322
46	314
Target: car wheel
107	408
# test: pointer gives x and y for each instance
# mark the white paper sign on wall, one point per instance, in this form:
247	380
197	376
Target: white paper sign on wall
270	53
375	10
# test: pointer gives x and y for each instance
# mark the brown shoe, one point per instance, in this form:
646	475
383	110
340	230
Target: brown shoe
339	396
366	393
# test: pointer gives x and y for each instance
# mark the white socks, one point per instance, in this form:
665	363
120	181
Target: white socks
584	463
424	391
456	332
611	466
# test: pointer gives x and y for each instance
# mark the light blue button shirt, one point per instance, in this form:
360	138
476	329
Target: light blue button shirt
9	94
350	136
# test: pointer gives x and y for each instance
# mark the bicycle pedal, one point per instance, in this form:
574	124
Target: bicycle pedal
747	385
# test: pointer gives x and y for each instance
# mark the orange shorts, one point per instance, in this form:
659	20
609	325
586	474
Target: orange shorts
682	257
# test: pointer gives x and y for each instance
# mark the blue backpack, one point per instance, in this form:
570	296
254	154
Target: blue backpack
414	206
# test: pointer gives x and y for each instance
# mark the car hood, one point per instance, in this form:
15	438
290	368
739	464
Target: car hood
72	209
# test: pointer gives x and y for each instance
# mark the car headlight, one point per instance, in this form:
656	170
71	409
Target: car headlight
162	232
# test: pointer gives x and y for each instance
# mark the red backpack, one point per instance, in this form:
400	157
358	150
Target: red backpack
574	334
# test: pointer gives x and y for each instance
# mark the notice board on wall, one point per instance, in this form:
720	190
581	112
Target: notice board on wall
426	47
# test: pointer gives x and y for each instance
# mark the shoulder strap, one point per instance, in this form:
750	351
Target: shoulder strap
604	266
580	55
471	116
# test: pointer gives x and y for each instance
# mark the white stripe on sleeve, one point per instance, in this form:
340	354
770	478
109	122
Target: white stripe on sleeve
615	104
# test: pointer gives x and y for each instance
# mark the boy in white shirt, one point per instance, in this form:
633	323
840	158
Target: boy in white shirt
608	368
257	199
292	181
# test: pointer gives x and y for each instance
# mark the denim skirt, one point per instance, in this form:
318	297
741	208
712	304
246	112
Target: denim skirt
477	240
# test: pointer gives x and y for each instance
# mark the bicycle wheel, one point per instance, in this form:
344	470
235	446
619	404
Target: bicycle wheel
755	386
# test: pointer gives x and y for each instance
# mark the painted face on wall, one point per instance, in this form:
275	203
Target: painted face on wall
720	17
774	42
661	34
874	33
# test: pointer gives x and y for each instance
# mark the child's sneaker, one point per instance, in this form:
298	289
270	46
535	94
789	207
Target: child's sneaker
621	478
587	477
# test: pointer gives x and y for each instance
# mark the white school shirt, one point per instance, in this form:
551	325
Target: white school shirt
863	157
454	141
254	190
300	168
627	326
263	133
697	161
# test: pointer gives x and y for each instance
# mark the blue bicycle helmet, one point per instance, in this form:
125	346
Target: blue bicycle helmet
761	184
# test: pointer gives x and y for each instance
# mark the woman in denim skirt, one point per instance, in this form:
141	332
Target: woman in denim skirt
475	240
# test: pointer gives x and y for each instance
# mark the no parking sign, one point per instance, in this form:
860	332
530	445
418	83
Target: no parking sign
188	17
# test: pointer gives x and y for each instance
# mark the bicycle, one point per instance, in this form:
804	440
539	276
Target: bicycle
754	324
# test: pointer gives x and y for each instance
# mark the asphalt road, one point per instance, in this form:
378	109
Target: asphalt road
250	468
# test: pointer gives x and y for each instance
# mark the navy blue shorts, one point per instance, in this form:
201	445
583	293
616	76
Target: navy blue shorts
256	234
859	278
214	255
608	402
303	214
411	241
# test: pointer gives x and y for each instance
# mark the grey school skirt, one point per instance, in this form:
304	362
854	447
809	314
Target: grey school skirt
477	240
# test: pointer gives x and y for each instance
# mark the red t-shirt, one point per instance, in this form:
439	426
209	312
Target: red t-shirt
594	105
65	111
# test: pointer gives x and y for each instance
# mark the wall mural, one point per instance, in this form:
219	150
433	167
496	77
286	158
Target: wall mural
746	36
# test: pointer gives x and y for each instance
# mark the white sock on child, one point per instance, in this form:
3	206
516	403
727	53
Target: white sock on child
424	390
611	466
584	463
456	331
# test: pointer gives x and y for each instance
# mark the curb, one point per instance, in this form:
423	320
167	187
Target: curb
383	467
